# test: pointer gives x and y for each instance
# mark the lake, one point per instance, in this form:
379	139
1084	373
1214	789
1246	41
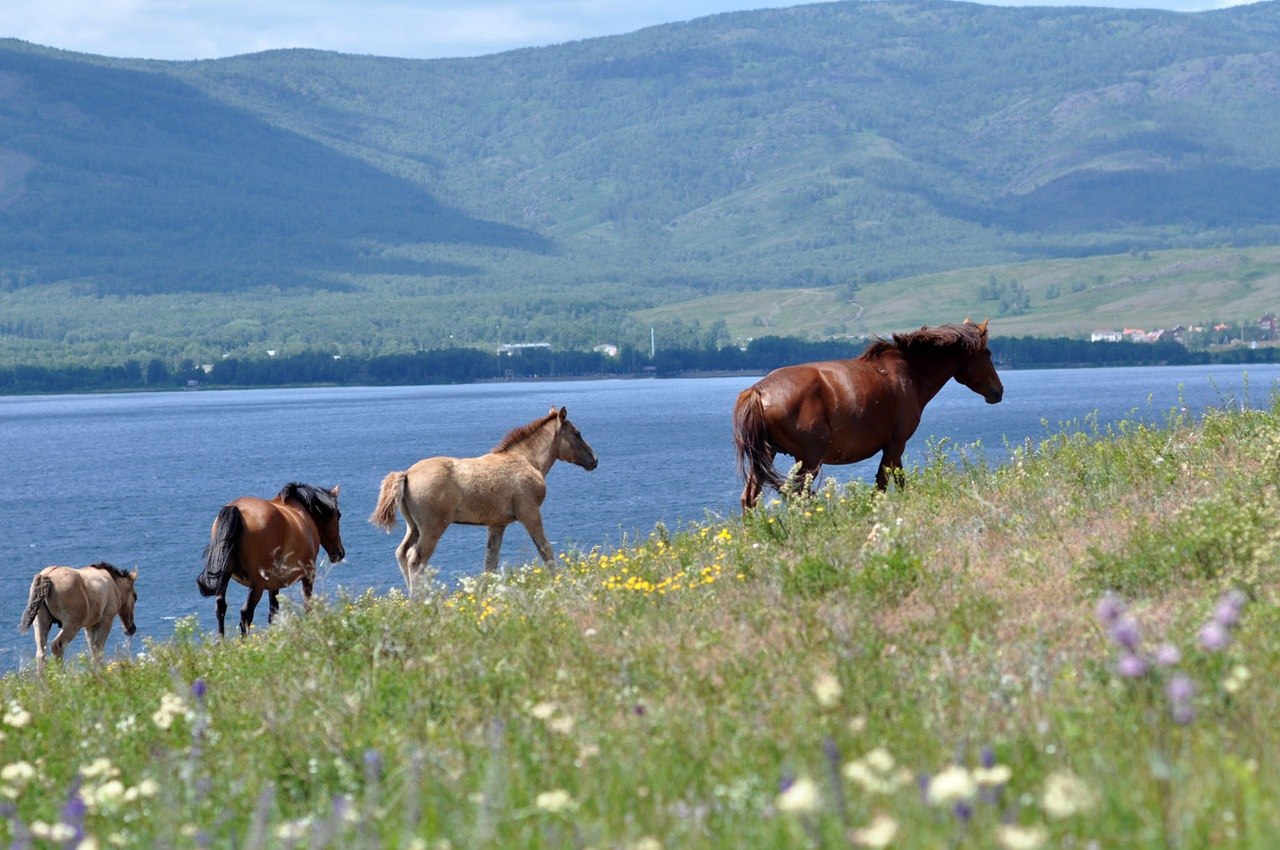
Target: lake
136	479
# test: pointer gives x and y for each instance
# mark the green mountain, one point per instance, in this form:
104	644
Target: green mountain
301	198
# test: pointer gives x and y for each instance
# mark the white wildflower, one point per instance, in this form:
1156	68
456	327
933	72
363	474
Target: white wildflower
827	690
555	801
877	834
801	797
952	785
1065	794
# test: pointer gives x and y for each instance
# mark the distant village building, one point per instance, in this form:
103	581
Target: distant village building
512	348
1268	324
607	349
1106	336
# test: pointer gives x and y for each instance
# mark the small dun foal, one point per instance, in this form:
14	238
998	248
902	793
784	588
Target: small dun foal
87	598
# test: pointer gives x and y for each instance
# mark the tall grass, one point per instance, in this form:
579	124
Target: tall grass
1019	656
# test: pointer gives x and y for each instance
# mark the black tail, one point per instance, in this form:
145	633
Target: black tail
40	587
751	437
222	553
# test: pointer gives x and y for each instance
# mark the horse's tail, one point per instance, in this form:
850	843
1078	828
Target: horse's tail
384	515
37	597
751	437
222	553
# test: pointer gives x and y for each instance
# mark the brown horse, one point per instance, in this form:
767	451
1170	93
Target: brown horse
268	545
88	598
496	489
844	411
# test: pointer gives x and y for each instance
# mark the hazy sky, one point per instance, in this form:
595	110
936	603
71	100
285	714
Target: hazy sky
202	29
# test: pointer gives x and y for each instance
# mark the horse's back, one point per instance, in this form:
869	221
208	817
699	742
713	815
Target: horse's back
68	598
474	490
278	540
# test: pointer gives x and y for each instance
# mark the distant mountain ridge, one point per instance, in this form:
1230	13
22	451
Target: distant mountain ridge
562	188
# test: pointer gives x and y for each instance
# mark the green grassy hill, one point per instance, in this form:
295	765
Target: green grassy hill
1150	290
919	669
548	194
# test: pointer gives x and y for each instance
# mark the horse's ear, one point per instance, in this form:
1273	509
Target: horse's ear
133	576
968	320
983	327
334	492
564	413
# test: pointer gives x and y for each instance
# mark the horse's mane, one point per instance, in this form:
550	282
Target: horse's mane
968	337
112	569
318	502
520	432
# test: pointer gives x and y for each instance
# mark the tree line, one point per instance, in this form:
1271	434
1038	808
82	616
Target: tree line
470	365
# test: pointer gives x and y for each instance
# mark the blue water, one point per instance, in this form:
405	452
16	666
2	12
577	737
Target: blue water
136	479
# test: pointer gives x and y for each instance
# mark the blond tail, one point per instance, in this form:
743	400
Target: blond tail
384	515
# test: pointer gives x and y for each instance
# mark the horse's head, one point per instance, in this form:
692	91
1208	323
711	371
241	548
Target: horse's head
570	445
977	372
128	599
330	535
322	506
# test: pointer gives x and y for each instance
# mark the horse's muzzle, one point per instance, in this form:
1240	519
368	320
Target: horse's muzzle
994	396
591	464
129	630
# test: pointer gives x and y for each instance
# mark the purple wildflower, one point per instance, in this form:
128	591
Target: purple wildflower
198	689
1110	608
1183	714
1214	636
1180	688
987	758
1167	655
1131	666
963	811
1227	611
1125	632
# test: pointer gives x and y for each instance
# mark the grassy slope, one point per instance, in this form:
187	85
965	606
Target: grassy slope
1165	289
668	688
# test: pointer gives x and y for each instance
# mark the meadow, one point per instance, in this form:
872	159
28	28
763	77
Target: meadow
1072	649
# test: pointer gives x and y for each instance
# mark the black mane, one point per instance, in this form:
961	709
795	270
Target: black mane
317	501
968	337
115	571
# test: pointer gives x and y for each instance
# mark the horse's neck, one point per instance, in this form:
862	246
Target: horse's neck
539	448
930	373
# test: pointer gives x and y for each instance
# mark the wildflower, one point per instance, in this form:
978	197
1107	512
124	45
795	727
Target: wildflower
1131	666
1010	836
1236	679
99	768
171	707
16	716
993	776
18	773
1065	794
799	797
1214	636
562	724
293	830
1125	632
827	690
647	843
876	772
952	785
1167	655
555	801
145	788
879	833
1227	612
1110	608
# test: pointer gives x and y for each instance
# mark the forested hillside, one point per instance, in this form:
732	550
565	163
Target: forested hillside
550	193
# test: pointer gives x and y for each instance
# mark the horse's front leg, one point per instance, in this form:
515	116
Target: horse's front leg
246	613
273	605
308	584
532	521
492	547
97	637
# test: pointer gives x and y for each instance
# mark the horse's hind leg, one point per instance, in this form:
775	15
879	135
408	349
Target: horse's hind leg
246	613
273	605
42	623
65	635
492	547
406	550
417	558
